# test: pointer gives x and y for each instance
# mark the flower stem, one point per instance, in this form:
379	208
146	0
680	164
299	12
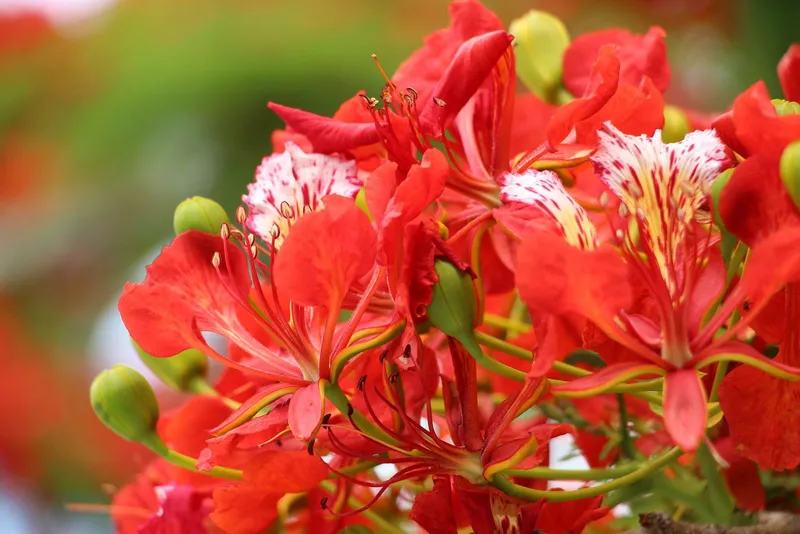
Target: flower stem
187	462
506	323
513	350
514	490
549	473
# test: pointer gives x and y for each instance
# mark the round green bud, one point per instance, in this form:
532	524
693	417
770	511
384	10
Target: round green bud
125	403
180	372
454	306
540	40
785	107
790	170
199	213
676	125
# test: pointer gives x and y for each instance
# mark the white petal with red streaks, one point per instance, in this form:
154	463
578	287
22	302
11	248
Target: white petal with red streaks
292	183
544	191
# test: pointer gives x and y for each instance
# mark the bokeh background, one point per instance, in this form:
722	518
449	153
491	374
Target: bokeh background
111	112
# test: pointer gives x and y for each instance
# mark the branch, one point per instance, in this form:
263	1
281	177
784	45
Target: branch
768	523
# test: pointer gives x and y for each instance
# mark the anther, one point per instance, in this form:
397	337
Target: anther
254	251
383	355
326	419
350	410
215	260
361	382
412	92
310	447
619	234
393	377
439	102
324	503
251	239
225	231
604	199
241	214
623	211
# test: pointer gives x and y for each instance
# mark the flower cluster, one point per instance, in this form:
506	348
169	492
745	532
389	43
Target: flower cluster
508	244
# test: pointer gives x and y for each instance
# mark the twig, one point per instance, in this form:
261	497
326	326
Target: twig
768	523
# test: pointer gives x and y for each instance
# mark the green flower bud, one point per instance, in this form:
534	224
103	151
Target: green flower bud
540	40
199	213
717	186
785	107
454	306
125	403
676	125
180	372
790	170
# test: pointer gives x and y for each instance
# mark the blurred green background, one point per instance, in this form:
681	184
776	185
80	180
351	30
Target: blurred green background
112	114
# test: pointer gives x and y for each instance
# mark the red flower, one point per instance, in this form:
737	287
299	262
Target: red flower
201	283
660	185
640	56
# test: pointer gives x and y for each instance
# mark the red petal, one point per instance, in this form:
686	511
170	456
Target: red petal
237	445
759	129
324	253
570	517
423	185
182	509
640	56
326	134
379	188
632	110
250	507
775	261
305	411
531	115
685	408
601	87
742	477
557	278
754	204
707	288
183	296
187	430
243	509
425	67
474	61
433	510
789	73
760	414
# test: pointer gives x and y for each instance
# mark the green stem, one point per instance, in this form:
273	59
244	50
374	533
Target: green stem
549	473
382	524
470	343
514	490
513	350
335	394
625	443
722	369
187	462
199	386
